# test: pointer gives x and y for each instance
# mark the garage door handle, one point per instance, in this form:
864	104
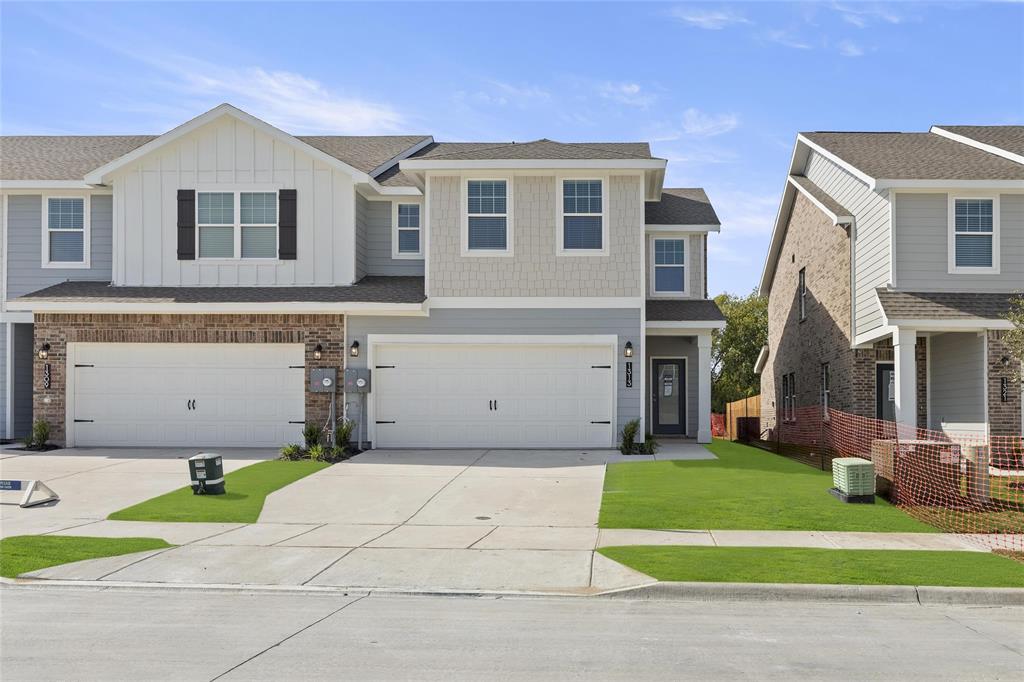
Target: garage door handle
383	422
600	422
490	404
85	365
600	367
83	421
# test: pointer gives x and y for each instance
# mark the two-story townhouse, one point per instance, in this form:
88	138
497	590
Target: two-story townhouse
892	264
179	289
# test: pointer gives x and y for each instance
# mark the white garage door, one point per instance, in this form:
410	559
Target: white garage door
199	394
493	395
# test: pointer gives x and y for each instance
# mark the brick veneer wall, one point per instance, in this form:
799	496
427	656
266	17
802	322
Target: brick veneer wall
802	346
1004	418
60	329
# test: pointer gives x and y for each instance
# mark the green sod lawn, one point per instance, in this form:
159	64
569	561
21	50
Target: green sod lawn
822	566
242	502
23	553
744	489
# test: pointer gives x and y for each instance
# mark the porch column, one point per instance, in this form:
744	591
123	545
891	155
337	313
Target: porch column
904	342
704	388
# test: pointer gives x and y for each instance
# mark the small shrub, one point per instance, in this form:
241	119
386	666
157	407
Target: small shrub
318	452
40	434
312	434
292	451
343	434
338	454
628	435
649	446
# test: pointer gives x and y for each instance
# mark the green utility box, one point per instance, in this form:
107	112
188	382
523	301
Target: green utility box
207	473
854	479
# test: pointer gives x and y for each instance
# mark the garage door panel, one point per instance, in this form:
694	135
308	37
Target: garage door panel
440	395
140	394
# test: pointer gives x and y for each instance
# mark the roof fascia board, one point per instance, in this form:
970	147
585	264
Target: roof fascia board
685	324
45	184
941	325
503	164
770	261
97	176
295	307
856	172
836	219
949	184
682	228
429	139
971	142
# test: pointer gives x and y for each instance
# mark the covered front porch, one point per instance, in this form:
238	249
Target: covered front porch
677	368
949	351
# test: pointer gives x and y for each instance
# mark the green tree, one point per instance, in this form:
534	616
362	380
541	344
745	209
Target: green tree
734	349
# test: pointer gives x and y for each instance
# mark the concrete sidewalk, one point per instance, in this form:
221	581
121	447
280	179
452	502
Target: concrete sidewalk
791	538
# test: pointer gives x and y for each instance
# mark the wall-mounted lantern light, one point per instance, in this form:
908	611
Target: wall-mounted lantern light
44	351
318	351
1005	360
353	350
629	349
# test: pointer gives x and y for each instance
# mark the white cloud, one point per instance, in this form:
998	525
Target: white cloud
708	19
700	124
503	94
626	93
787	39
848	48
291	101
862	14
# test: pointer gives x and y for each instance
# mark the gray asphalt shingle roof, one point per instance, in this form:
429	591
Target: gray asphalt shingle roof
916	156
365	152
61	157
820	195
1010	138
374	289
933	305
681	206
694	310
536	149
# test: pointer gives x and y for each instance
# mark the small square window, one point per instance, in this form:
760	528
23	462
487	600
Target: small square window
65	232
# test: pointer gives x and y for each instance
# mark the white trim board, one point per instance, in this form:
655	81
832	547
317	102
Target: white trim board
534	302
286	307
684	229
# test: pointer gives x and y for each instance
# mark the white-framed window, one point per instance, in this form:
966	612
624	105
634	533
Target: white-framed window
826	388
669	266
487	217
406	230
65	232
974	235
802	286
236	225
789	397
582	219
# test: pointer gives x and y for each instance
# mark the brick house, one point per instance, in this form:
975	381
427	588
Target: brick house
893	261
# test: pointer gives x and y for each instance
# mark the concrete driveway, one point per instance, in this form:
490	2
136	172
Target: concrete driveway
521	520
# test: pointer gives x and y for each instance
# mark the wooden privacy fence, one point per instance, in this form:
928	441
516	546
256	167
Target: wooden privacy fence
738	409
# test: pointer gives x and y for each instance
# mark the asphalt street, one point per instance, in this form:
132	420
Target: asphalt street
151	634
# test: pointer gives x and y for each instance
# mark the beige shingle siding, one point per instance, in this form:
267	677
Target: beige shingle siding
535	270
871	211
916	156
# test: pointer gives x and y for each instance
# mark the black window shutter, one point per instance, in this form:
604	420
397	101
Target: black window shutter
186	224
287	238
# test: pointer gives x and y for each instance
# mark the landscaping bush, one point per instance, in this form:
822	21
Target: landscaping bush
312	434
292	451
317	452
628	435
40	435
343	435
649	446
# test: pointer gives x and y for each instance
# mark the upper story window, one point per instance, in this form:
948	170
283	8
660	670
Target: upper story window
582	217
669	266
826	388
406	236
66	233
974	235
802	287
487	218
233	223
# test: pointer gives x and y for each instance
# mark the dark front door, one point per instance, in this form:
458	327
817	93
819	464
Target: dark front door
885	391
668	402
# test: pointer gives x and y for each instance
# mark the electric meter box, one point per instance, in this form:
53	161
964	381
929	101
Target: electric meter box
323	380
357	380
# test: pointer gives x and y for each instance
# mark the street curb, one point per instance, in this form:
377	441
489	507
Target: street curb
662	591
853	594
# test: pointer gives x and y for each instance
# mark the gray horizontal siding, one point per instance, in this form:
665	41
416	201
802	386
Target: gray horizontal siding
25	273
871	211
373	223
957	382
921	257
361	218
671	347
625	323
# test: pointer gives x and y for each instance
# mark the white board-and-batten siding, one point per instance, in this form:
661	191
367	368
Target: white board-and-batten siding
230	155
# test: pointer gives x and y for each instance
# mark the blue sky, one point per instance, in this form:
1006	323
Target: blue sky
718	89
